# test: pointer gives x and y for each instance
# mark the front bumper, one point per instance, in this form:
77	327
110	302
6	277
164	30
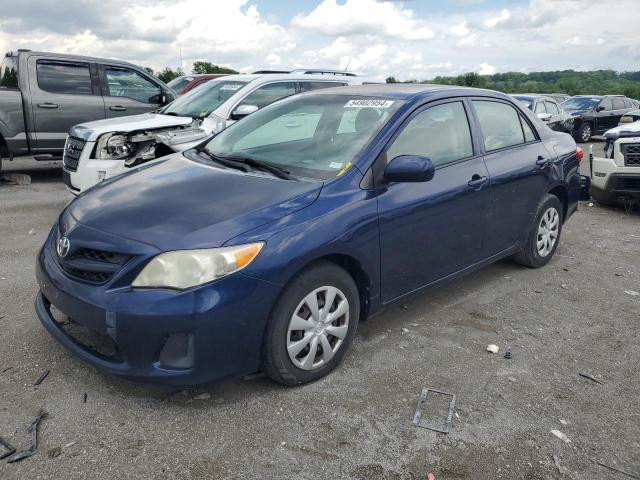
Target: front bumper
224	322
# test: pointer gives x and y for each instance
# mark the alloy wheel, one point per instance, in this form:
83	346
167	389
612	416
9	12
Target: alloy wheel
586	133
318	328
548	230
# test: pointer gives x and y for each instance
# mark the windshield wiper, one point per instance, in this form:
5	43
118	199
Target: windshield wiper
222	160
173	114
269	167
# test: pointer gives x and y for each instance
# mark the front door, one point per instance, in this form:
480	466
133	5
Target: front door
433	229
64	94
128	92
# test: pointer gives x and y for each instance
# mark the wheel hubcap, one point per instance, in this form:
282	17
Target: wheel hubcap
586	132
318	328
548	232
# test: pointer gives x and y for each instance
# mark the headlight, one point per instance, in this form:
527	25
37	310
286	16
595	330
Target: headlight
183	269
113	146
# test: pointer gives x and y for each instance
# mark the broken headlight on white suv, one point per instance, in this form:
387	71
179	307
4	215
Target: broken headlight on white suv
114	146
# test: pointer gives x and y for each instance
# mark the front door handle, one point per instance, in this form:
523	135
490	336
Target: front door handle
541	161
477	181
118	108
47	105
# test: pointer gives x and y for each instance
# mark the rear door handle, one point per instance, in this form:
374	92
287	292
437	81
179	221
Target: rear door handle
47	105
118	108
542	162
477	181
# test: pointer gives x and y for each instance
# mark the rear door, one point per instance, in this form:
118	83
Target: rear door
433	229
128	92
63	94
519	168
606	117
556	122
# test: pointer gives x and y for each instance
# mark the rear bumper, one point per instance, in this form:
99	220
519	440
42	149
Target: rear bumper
224	322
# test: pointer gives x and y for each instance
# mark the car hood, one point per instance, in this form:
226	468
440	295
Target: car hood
627	130
176	203
576	113
90	131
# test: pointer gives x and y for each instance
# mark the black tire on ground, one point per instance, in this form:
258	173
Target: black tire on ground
584	133
276	361
529	255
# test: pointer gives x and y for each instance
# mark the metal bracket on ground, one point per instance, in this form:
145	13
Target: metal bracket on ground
417	417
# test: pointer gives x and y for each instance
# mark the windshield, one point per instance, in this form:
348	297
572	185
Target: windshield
312	135
200	102
526	101
9	72
179	83
580	103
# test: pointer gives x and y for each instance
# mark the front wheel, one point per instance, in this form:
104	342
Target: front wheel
544	236
584	133
312	325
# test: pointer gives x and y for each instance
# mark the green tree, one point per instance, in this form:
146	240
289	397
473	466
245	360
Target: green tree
208	67
149	70
167	74
391	80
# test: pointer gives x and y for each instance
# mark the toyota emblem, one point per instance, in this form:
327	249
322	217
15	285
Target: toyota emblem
63	246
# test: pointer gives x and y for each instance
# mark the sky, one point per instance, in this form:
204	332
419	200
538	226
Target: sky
412	39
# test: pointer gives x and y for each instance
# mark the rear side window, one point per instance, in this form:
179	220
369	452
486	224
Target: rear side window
606	105
122	82
618	104
501	124
9	72
308	86
552	108
441	133
267	94
63	77
540	107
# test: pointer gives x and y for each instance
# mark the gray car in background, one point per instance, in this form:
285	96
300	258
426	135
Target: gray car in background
42	95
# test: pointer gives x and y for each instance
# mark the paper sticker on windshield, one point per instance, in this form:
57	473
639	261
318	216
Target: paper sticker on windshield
335	165
368	103
230	86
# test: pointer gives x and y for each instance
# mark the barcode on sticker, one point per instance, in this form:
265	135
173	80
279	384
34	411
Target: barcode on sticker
230	87
368	102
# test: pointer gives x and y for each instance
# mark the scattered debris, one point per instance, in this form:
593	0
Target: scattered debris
84	397
282	444
31	232
202	396
405	330
561	436
254	376
70	444
511	379
417	417
6	369
41	378
590	377
5	449
632	475
33	430
404	307
492	348
565	269
590	204
431	476
563	421
16	178
564	285
560	468
54	452
633	293
507	354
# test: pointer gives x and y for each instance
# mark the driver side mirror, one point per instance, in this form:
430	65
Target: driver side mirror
600	108
242	111
545	117
409	168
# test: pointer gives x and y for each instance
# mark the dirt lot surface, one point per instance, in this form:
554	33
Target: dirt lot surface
571	316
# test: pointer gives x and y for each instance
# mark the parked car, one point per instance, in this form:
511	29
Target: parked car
42	95
103	149
615	177
559	97
630	117
184	83
260	249
595	114
547	110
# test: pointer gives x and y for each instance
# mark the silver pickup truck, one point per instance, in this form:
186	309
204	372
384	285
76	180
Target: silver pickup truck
42	95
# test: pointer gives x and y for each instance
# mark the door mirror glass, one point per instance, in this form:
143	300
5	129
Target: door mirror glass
242	111
545	117
600	108
409	168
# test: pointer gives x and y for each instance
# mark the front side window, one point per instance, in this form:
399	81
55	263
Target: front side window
540	107
63	77
122	82
441	133
606	105
267	94
302	133
202	101
552	108
580	103
618	103
500	123
177	84
308	86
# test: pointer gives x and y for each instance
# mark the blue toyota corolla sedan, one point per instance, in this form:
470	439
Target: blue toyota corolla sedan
262	248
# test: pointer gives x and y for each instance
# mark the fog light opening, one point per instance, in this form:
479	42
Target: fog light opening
178	352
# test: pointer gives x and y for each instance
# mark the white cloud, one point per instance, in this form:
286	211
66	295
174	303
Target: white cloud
273	59
363	17
459	30
503	17
486	69
575	40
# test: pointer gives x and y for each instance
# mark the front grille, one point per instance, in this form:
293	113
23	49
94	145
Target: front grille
631	183
631	154
93	266
72	151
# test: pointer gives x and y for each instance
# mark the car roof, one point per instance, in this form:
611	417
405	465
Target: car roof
78	57
408	91
532	96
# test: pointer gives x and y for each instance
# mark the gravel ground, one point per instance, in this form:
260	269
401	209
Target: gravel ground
573	315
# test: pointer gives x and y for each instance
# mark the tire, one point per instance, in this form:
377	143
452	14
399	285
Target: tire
286	357
532	255
583	135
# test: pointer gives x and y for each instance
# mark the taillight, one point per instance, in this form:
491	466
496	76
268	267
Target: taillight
579	153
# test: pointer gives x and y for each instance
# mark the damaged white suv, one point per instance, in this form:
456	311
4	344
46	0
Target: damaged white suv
95	151
615	178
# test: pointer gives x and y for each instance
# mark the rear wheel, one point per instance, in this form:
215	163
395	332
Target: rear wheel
312	325
584	133
545	234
